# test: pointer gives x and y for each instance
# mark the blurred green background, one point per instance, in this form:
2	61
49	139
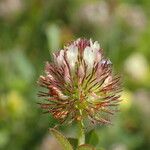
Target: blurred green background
30	30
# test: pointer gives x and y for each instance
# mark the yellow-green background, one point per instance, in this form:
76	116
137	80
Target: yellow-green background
30	30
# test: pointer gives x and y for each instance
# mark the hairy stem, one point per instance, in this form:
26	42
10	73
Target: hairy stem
81	133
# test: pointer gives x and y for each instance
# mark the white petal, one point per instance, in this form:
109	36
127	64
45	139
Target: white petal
78	40
107	61
95	46
89	56
72	54
96	49
59	58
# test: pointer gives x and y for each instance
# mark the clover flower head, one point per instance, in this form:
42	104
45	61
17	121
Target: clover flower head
80	84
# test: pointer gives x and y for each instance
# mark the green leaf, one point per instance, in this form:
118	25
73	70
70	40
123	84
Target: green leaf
61	139
92	138
73	142
86	147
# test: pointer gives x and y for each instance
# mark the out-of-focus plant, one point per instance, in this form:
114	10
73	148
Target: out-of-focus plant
80	86
29	29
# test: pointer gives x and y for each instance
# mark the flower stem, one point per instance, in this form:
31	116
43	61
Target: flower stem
81	136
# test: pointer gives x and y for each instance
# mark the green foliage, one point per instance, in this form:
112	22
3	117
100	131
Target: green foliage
85	147
73	142
65	145
92	138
